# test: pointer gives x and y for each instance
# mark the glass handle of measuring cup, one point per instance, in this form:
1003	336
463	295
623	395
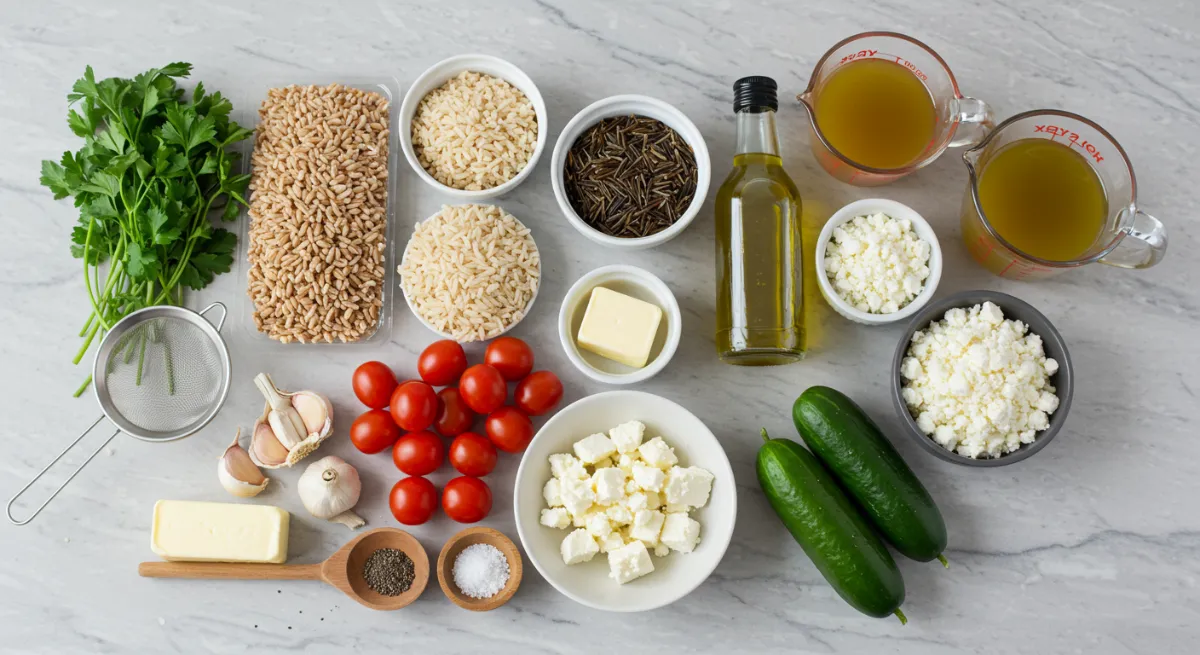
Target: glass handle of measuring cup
1144	245
975	120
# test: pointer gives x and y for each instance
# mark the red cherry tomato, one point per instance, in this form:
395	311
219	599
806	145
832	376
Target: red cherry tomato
511	356
374	383
483	388
413	500
509	429
467	499
418	453
442	362
414	405
453	415
472	454
538	393
373	431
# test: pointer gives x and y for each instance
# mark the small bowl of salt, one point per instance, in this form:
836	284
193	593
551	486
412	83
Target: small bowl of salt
479	569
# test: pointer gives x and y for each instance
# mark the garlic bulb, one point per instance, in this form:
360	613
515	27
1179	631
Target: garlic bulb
292	425
237	472
329	490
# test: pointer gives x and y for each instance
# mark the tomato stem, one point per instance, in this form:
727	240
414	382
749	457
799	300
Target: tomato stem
942	559
764	434
900	615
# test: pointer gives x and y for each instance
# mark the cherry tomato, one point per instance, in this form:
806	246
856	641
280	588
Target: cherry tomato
482	387
511	356
453	415
466	499
538	393
509	429
414	405
374	383
418	453
472	454
442	363
413	500
374	431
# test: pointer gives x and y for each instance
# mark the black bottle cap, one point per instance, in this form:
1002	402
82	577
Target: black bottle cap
754	91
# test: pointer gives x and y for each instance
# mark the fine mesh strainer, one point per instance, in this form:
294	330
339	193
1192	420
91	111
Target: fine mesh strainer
161	374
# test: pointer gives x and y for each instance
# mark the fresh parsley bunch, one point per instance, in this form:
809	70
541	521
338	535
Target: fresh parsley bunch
153	166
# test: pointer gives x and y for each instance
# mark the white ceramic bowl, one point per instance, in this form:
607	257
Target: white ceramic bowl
631	281
674	576
444	335
895	210
625	105
437	75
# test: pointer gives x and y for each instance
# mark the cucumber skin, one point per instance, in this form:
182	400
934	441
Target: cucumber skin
829	528
871	472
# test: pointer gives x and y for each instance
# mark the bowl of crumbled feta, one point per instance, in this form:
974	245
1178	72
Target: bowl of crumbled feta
878	261
982	378
625	501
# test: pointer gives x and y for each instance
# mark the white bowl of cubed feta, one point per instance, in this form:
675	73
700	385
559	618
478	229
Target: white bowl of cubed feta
673	508
878	261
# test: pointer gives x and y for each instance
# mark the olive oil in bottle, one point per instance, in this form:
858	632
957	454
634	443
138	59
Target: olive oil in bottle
760	311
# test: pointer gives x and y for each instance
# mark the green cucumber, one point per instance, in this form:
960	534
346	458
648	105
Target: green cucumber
829	528
871	472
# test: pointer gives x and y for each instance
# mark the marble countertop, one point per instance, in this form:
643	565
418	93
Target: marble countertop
1092	547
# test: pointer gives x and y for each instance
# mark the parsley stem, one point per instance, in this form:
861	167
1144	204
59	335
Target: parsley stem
83	387
87	342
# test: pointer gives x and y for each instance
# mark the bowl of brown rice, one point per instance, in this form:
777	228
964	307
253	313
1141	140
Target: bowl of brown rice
470	272
473	126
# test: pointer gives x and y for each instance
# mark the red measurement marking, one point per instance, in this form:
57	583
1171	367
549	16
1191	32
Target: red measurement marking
1073	137
1010	265
858	55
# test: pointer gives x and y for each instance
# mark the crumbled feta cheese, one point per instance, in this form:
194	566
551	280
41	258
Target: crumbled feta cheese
661	550
597	525
619	515
626	461
627	436
648	477
565	466
594	448
680	532
605	463
978	384
629	562
579	546
877	263
647	525
688	486
612	542
631	486
656	452
552	492
577	495
644	500
609	484
556	517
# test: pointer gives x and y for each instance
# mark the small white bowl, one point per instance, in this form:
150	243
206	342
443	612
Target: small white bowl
444	335
625	105
895	210
439	74
674	576
631	281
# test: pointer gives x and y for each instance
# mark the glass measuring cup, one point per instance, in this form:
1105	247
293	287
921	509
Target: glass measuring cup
953	110
1129	238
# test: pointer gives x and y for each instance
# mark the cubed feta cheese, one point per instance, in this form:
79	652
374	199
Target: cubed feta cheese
597	525
629	562
631	486
565	467
594	448
607	462
579	546
619	515
577	495
647	524
671	508
556	517
688	486
612	542
680	532
609	484
657	453
626	461
627	436
661	550
648	477
552	492
644	500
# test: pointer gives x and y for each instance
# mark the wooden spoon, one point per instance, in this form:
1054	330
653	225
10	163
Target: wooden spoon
343	569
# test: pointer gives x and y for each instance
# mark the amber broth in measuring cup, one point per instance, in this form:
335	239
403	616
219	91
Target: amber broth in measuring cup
1050	190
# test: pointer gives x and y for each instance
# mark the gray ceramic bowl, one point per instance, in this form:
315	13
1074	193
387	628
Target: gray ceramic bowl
1014	309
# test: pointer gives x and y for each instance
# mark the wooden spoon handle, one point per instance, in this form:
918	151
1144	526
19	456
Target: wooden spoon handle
229	571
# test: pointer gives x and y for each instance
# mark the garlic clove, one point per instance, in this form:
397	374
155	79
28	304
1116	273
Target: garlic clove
265	449
237	472
329	489
315	410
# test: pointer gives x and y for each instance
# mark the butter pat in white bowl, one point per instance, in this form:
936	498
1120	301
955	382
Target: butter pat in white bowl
607	329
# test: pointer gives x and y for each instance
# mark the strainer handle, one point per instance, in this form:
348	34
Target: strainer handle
224	313
9	509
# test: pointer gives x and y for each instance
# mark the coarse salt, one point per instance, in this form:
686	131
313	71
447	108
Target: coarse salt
481	571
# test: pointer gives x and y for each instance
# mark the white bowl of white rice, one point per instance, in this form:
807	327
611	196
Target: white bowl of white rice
480	132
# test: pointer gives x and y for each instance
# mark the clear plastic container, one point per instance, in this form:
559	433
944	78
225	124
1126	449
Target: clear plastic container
247	113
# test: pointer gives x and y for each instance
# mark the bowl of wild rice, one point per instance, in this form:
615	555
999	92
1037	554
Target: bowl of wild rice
470	272
630	172
473	126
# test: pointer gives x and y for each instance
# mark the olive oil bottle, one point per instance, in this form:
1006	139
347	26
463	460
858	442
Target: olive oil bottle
760	301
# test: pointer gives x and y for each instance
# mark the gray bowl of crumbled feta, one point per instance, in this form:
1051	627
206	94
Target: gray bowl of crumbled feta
981	378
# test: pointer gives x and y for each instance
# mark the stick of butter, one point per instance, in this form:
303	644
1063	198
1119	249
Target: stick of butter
189	531
619	327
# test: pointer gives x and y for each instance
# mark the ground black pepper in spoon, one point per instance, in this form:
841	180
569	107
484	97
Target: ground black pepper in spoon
388	571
